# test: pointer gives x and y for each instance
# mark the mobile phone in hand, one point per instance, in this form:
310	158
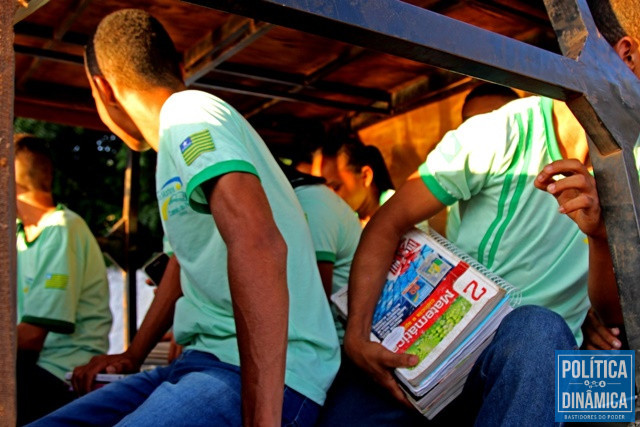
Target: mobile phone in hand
154	268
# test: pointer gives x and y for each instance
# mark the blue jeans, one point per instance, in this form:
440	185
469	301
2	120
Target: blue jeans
195	390
512	382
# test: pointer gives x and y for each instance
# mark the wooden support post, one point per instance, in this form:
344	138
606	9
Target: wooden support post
7	221
130	215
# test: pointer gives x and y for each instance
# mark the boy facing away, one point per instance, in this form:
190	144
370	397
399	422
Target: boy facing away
251	312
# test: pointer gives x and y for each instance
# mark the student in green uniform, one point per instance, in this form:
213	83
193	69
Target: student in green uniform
63	293
335	232
259	343
490	165
358	174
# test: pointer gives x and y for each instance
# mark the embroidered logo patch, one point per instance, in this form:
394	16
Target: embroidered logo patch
196	144
56	281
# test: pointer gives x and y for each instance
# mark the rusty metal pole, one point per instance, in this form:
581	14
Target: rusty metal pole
7	221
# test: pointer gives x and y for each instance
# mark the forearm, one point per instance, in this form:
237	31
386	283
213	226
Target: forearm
411	204
159	317
603	291
261	302
30	337
326	275
368	271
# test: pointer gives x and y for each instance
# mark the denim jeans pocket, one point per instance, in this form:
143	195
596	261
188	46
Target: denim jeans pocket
298	410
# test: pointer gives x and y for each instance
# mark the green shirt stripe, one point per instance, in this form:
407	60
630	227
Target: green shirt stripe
504	195
59	326
215	171
434	186
525	138
325	256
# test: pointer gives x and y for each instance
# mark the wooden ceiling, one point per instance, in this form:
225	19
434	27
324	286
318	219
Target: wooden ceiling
286	82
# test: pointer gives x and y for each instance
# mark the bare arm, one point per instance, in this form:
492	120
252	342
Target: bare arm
326	274
257	264
577	197
158	319
31	337
411	204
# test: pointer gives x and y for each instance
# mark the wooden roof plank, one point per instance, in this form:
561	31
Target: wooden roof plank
220	45
74	11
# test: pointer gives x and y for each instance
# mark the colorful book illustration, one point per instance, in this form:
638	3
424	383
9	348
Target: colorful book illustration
441	305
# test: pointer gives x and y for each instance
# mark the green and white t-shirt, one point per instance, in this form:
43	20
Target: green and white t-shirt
489	164
62	287
201	138
335	231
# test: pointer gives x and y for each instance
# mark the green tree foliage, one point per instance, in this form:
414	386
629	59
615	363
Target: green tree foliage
89	179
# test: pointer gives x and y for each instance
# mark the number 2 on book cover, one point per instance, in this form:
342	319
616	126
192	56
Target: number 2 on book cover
473	288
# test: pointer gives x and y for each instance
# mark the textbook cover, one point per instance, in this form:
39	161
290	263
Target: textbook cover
431	301
441	305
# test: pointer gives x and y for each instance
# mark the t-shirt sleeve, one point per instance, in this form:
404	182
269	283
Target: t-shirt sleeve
206	145
51	299
324	229
462	162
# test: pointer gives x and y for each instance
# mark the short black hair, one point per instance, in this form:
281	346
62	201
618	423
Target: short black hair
490	89
616	19
132	47
34	153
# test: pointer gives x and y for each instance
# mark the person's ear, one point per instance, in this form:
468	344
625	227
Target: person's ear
105	90
367	175
627	50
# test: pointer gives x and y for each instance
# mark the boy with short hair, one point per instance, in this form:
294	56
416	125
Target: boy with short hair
251	313
492	164
63	293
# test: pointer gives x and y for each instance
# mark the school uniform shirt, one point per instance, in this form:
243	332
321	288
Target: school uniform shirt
489	164
63	287
201	138
335	232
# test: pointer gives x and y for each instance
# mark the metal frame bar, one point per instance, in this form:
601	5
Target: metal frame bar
603	94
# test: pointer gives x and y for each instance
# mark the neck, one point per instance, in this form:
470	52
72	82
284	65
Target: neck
572	140
143	106
368	207
32	207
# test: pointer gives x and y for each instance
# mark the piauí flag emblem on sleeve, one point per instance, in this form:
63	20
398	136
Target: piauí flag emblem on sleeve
196	144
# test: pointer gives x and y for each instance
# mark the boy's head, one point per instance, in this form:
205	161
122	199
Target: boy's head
132	49
619	23
486	97
34	168
130	53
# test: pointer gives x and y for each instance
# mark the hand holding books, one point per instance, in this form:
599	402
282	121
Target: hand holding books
379	363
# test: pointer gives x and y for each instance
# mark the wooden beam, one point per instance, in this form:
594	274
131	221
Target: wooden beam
61	112
7	221
347	55
130	205
290	79
210	84
413	99
220	45
73	11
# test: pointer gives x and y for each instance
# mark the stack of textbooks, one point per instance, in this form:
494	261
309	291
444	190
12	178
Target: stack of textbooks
441	305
